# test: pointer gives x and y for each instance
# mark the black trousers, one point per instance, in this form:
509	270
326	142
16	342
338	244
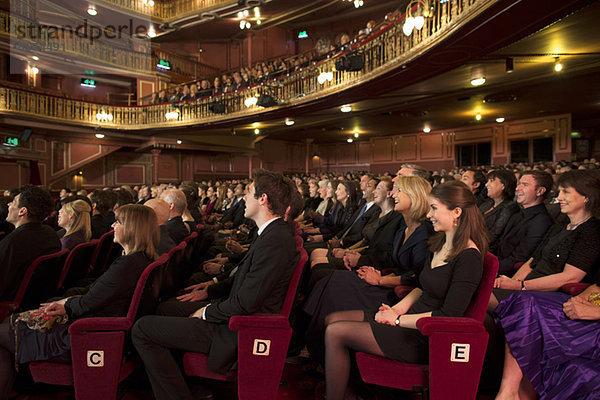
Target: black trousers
155	336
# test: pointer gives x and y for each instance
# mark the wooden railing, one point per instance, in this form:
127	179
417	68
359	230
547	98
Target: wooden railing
383	51
168	11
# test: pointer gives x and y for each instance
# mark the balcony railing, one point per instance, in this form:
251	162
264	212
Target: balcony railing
385	50
168	11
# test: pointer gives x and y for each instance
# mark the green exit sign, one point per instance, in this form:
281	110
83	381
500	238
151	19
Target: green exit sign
11	141
163	64
87	82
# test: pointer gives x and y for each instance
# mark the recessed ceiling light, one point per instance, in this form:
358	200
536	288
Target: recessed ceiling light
478	81
257	131
478	117
356	134
426	130
289	122
151	32
557	65
92	11
349	140
100	135
36	58
179	142
346	109
35	70
500	120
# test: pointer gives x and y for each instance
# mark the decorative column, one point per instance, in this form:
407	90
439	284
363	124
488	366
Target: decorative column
250	166
307	156
155	153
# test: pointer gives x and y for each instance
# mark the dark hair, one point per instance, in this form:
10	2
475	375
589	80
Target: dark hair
296	201
102	200
352	188
478	176
37	201
508	179
4	200
470	224
191	196
76	197
112	197
542	179
124	196
304	189
273	184
66	190
587	183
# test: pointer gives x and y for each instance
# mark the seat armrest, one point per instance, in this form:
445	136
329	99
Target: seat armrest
277	321
574	288
431	325
100	325
403	290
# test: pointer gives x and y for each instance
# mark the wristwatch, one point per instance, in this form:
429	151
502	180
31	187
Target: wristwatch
397	321
523	285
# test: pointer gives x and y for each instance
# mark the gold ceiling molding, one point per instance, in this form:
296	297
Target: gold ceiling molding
167	11
387	51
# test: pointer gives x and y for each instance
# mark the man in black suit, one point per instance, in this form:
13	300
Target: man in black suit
234	216
259	286
177	205
28	241
161	209
101	205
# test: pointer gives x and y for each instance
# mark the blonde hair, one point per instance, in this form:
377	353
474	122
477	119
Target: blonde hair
140	229
417	189
81	218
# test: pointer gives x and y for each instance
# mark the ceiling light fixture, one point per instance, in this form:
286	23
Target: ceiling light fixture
172	115
478	81
325	77
100	135
36	58
257	131
250	101
426	129
557	65
92	11
478	117
289	122
510	65
256	12
35	70
346	109
103	116
248	25
356	135
423	10
500	120
349	140
179	142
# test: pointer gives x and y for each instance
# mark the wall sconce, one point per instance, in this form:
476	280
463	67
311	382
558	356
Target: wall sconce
423	11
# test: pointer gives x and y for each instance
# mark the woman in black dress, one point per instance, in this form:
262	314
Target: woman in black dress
449	279
136	230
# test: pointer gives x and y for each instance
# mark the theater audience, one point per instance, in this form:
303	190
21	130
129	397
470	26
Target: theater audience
177	204
5	226
161	209
136	230
29	240
475	180
525	229
101	205
569	252
346	201
74	217
500	207
447	283
260	285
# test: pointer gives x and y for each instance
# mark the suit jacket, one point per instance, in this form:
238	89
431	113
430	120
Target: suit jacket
259	286
99	226
19	249
497	219
380	247
409	258
166	243
177	229
355	228
235	214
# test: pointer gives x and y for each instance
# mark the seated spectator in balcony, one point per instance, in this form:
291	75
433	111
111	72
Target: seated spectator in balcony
100	207
194	92
569	252
228	84
525	229
205	89
217	87
153	98
176	95
74	217
162	97
344	42
29	240
109	296
500	207
239	82
246	81
177	205
475	180
161	209
185	93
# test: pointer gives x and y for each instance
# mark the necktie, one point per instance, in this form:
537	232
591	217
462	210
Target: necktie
360	214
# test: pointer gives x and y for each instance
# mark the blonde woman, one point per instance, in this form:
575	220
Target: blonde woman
74	217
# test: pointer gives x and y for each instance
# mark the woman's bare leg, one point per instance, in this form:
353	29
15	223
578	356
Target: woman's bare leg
511	377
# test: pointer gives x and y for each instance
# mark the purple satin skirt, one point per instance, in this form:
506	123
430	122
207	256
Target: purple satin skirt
559	356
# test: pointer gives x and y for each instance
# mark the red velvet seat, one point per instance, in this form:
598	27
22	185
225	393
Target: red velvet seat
101	253
190	250
575	288
77	264
98	363
39	283
456	351
258	375
172	276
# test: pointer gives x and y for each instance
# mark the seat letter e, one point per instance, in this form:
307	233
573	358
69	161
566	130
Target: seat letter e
460	352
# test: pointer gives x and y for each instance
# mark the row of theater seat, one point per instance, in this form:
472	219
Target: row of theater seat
101	354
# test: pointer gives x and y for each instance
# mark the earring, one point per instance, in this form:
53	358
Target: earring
455	221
